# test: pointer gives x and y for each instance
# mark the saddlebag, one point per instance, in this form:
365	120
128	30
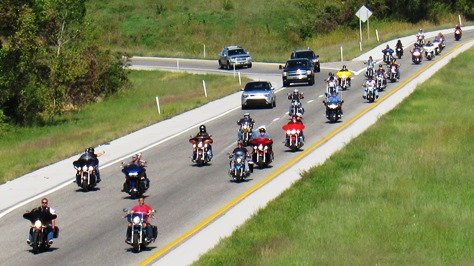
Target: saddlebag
155	231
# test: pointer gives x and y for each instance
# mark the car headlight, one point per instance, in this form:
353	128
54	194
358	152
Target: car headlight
245	95
309	72
285	74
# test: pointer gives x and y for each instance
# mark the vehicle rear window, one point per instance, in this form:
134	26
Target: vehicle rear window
307	54
236	51
257	86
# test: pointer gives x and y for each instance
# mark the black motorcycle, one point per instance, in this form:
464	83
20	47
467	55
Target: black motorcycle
399	52
39	229
135	182
86	175
137	233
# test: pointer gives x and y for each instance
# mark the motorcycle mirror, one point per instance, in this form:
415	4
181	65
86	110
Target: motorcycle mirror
342	101
125	210
324	102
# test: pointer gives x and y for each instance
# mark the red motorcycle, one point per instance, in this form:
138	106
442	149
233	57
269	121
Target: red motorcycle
294	135
201	147
262	154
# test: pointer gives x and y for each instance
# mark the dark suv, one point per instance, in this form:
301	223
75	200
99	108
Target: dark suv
309	54
297	71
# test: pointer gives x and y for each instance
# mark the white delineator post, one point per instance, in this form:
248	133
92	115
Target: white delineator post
158	105
204	86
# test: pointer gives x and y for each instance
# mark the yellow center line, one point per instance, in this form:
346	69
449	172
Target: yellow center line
234	202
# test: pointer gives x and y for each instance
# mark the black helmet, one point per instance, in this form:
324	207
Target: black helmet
344	67
90	150
380	65
202	129
331	74
262	129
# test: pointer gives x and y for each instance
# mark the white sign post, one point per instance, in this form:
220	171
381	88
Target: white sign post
363	14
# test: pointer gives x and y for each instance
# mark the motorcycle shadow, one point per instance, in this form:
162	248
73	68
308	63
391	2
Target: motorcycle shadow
135	198
330	122
49	250
200	165
241	181
294	151
146	249
90	190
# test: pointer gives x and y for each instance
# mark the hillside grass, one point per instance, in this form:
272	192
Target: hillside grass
92	125
187	28
399	194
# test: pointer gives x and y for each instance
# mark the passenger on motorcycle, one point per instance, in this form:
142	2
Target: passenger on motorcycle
242	121
331	81
370	82
49	212
142	208
262	133
202	134
137	160
240	149
344	69
395	64
296	96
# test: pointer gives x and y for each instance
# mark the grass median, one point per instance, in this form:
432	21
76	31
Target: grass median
399	194
132	109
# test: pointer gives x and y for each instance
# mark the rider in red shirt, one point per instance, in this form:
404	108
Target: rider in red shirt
142	208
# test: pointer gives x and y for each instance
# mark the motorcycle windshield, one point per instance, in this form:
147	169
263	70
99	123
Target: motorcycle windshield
261	141
204	140
86	159
44	217
133	170
293	126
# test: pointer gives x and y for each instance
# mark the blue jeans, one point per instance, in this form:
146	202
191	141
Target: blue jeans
49	237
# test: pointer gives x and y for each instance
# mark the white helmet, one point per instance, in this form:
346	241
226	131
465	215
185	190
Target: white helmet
262	128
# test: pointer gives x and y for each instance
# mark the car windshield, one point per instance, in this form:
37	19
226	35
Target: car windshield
297	63
237	52
257	86
307	54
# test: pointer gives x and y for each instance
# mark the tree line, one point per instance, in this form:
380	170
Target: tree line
47	63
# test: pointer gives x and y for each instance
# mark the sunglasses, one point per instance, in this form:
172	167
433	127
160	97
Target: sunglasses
44	202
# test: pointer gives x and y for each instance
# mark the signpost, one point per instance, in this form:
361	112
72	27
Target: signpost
363	14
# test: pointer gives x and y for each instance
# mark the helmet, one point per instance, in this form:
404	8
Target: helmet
394	60
240	143
246	114
202	129
90	150
299	115
416	45
380	65
262	129
295	91
420	30
370	57
344	67
331	74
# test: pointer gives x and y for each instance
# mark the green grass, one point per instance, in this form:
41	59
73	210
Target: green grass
130	110
269	31
399	194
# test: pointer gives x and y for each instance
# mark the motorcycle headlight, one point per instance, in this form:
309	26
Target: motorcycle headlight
38	224
260	147
136	220
200	145
239	160
288	132
84	168
416	53
343	76
293	131
297	131
90	168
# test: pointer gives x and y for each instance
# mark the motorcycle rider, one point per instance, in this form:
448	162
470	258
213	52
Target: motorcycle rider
44	210
241	149
334	96
344	69
457	27
421	35
371	63
395	64
399	45
202	134
88	155
296	96
428	44
388	50
142	208
137	160
368	83
331	79
298	119
262	133
242	121
381	71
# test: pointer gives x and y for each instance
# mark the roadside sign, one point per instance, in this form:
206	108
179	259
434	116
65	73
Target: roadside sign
363	13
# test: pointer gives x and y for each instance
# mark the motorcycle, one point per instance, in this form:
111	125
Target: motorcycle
457	34
333	108
39	230
392	74
135	183
238	171
332	86
380	81
261	154
293	134
246	129
387	57
420	39
371	95
344	78
429	52
136	220
416	57
437	46
201	148
370	71
86	172
399	52
295	108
